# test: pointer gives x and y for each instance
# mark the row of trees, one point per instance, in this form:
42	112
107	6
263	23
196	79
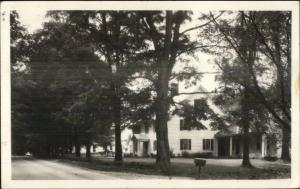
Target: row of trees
260	72
75	78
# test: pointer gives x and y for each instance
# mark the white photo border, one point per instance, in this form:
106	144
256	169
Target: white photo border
6	7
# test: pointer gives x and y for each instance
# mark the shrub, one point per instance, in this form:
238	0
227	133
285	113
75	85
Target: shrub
202	155
152	155
197	154
172	153
270	158
185	154
128	155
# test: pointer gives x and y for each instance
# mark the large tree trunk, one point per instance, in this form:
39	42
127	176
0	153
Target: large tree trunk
77	150
246	124
246	140
285	148
76	142
88	150
163	151
77	147
117	119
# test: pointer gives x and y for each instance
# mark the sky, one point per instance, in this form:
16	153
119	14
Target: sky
33	20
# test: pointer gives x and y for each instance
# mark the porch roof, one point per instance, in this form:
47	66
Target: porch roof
141	137
229	133
224	133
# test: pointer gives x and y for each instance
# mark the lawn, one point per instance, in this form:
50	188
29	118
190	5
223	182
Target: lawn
184	167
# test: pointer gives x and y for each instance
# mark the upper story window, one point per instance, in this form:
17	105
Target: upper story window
258	145
174	88
155	145
184	126
154	128
146	128
208	144
185	144
136	130
197	104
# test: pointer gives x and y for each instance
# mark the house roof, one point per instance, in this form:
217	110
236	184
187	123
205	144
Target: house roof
141	137
225	133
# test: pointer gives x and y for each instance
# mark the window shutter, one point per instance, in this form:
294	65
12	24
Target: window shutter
212	144
146	129
196	104
180	144
174	88
155	145
181	124
190	144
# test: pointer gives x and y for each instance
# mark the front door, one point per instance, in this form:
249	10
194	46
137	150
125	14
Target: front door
223	146
145	148
237	146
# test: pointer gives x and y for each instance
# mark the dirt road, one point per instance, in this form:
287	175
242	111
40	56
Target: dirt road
36	169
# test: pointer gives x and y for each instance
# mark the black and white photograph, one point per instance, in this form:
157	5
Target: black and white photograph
149	94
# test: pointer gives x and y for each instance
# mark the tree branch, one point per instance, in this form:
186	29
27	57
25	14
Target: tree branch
152	31
262	39
277	63
228	39
198	92
174	75
142	77
257	88
200	26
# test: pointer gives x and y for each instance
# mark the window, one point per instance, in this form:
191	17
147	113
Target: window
135	146
181	124
136	129
208	144
146	128
174	88
198	103
185	144
155	145
184	126
258	146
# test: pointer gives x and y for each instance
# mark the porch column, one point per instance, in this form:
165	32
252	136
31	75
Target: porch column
138	148
263	140
230	146
215	151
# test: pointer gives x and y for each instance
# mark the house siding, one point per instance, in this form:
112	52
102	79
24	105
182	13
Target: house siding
196	136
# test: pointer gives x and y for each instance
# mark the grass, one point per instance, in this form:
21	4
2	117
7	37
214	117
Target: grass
208	172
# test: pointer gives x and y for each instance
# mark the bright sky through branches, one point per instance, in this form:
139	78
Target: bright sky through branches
33	20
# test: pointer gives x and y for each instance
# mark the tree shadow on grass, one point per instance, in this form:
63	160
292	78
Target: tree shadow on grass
208	172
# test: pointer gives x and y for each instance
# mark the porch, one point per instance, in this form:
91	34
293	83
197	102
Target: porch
141	145
231	145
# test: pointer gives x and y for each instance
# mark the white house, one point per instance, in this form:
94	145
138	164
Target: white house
181	139
184	139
